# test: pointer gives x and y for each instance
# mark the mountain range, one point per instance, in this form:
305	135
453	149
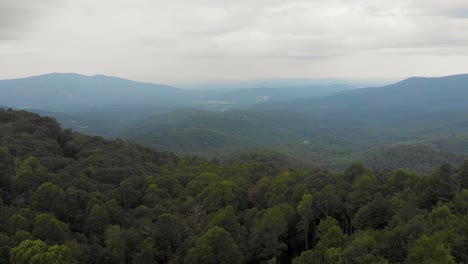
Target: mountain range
327	125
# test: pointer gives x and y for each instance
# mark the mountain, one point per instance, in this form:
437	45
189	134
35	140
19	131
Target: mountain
58	91
412	97
102	104
429	115
333	128
62	91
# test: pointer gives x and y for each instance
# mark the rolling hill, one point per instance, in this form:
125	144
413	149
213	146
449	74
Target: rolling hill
417	115
412	97
58	91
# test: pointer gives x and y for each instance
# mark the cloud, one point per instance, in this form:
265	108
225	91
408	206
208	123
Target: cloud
17	17
156	39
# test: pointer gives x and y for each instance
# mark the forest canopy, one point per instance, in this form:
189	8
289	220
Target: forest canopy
70	198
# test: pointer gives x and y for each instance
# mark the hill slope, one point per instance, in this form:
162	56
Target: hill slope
409	98
66	90
330	143
70	198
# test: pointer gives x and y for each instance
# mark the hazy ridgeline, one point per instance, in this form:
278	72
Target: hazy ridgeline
326	125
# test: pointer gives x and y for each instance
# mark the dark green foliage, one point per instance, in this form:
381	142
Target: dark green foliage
83	199
214	247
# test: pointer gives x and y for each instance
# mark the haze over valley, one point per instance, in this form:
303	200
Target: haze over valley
325	125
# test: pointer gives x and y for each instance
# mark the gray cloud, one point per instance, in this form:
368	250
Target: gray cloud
17	17
156	40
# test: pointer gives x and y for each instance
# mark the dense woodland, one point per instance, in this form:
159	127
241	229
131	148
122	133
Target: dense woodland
71	198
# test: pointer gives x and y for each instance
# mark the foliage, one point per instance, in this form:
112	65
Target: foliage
70	198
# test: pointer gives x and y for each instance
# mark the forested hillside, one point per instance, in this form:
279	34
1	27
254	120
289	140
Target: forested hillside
330	143
71	198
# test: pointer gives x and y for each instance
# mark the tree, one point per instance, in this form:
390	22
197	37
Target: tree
308	257
216	246
49	229
48	198
227	219
363	249
219	194
328	201
31	174
97	220
460	202
152	195
427	250
306	210
267	234
38	252
169	233
201	181
115	243
439	187
76	201
330	235
18	222
375	214
356	170
7	169
463	175
127	195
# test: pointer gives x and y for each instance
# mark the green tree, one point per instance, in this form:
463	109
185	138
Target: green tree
308	257
460	202
201	181
218	195
48	198
227	219
31	174
97	220
330	235
306	210
49	229
115	243
375	214
267	234
427	250
169	234
38	252
216	246
152	195
17	222
363	248
7	169
463	175
439	187
328	201
127	195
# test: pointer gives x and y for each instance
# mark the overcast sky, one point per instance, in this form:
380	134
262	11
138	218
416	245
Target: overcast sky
178	40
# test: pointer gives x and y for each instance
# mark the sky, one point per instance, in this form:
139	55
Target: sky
197	40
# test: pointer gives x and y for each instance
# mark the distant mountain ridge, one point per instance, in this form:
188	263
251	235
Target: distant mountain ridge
59	91
68	89
411	97
376	125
